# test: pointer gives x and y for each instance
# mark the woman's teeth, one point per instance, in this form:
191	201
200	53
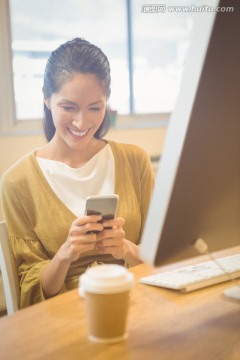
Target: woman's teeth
78	133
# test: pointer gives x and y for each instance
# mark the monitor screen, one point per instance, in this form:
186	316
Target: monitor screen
197	189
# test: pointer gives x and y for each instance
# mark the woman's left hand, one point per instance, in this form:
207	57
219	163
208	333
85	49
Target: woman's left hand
112	241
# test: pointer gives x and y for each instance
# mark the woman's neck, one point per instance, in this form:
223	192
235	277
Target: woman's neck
73	157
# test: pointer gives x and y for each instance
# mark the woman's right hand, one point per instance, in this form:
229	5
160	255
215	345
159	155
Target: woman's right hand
80	237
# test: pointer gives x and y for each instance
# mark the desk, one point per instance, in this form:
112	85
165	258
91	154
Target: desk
163	324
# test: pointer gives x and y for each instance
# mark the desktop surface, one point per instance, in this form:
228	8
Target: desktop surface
163	324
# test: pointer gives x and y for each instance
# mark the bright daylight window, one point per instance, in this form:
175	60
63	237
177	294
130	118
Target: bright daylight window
160	41
158	46
38	27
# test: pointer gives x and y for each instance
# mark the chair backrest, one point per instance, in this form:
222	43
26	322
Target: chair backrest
9	272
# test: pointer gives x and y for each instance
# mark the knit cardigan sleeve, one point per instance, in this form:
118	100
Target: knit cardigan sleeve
29	254
134	184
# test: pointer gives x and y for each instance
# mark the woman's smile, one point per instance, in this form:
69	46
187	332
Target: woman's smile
78	110
78	134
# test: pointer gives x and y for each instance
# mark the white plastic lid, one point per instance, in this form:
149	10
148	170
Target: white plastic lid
106	279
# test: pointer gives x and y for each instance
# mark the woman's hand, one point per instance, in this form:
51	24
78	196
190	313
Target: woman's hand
81	237
112	241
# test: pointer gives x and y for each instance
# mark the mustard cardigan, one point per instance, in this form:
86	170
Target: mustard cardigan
38	222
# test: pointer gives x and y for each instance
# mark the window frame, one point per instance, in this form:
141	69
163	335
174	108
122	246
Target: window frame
8	121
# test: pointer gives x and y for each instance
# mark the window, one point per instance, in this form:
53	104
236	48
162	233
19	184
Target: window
160	42
54	22
146	50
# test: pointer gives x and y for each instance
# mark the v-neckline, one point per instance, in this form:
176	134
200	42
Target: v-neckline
50	191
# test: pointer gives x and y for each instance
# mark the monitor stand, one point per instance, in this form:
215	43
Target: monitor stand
233	293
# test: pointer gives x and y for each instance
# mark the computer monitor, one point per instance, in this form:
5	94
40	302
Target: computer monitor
197	189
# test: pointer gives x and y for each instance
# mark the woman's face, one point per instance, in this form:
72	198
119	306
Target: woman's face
78	110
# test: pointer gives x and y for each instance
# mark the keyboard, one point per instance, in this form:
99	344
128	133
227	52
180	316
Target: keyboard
197	276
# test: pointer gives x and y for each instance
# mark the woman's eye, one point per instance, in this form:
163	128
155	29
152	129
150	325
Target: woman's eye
68	108
95	108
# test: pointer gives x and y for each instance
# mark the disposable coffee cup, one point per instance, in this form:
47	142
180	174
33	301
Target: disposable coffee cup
105	289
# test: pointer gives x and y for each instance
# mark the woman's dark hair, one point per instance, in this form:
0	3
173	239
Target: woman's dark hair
75	56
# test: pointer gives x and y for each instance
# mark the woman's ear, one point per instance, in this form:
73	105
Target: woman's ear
47	103
46	100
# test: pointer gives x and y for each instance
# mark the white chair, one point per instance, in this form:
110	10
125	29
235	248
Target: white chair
9	272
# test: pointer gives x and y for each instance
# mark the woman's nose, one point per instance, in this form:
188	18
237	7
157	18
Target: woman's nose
78	120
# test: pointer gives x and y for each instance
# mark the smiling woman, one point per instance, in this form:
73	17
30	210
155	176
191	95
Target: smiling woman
44	194
78	110
86	59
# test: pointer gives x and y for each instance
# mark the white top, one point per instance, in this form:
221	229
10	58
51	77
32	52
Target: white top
73	185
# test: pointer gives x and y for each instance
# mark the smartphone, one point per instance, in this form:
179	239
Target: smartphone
105	205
